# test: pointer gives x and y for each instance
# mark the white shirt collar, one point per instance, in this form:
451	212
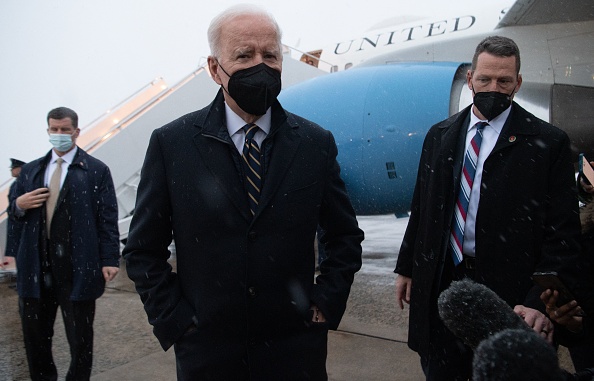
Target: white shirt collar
68	157
497	123
235	123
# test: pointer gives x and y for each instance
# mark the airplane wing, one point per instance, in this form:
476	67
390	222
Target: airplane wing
538	12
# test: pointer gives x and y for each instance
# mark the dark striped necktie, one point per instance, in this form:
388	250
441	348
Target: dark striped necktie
253	168
466	182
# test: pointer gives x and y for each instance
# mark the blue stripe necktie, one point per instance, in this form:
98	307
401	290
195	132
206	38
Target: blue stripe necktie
253	169
466	182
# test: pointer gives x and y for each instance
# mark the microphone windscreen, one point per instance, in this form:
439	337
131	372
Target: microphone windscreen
515	354
473	312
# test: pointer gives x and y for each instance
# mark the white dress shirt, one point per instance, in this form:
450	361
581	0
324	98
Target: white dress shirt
49	171
490	136
235	128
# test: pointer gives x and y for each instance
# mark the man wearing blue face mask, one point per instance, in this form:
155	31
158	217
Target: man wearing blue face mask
68	248
494	201
242	186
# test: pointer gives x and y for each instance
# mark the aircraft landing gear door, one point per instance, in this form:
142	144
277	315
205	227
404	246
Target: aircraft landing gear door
403	101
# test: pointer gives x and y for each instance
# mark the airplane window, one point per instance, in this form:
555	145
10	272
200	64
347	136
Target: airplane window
391	168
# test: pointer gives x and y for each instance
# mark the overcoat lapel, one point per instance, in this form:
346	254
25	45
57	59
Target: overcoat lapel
215	148
79	163
39	173
286	142
216	156
514	128
452	151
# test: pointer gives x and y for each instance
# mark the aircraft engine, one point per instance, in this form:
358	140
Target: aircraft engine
379	117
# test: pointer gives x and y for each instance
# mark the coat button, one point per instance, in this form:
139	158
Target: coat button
252	235
252	292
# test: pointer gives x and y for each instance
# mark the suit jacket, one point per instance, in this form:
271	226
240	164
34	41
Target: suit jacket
527	218
84	231
240	278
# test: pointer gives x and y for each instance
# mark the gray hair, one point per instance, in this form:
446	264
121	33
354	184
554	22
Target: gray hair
216	25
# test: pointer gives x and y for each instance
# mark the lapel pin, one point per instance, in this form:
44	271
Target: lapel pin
512	139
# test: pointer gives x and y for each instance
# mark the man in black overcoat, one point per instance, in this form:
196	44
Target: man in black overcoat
13	228
243	212
521	217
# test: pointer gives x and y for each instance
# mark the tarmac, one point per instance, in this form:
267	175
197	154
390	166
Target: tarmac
369	345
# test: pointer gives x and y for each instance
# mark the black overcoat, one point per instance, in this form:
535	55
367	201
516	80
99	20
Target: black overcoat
527	218
245	280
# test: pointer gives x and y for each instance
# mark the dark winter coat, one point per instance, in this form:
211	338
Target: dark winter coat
246	282
85	225
527	218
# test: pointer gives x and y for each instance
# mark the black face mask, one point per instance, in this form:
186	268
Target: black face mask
254	89
492	103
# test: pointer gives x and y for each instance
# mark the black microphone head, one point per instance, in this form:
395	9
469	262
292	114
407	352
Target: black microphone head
515	354
473	312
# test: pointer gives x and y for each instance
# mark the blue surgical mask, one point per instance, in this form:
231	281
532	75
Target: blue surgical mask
61	142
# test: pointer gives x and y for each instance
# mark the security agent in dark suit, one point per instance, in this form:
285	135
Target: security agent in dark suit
13	228
15	167
522	215
243	304
68	247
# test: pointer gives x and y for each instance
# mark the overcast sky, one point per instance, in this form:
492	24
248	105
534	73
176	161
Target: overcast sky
90	55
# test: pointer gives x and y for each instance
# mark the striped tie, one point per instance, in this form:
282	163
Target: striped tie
470	162
253	169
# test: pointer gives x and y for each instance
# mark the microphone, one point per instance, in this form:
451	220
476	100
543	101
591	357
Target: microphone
473	312
515	354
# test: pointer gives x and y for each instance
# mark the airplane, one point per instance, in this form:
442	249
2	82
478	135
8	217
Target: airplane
405	32
379	94
390	86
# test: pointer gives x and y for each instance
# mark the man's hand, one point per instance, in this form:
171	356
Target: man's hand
33	199
317	316
403	285
109	272
588	188
568	315
537	321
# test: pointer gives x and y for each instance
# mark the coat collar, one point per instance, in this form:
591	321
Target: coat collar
214	144
212	122
519	123
80	161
